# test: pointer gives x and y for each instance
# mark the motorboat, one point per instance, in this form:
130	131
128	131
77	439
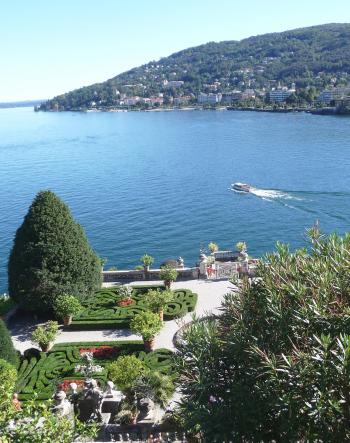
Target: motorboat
241	187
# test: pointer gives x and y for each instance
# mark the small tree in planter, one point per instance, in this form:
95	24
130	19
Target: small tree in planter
147	261
45	335
124	372
213	247
157	300
147	324
65	306
168	275
125	293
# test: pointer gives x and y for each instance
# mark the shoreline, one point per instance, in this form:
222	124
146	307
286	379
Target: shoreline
311	110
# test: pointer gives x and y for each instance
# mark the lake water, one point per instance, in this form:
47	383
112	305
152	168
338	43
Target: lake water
159	182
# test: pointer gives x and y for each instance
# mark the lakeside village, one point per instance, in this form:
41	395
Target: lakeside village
176	354
332	100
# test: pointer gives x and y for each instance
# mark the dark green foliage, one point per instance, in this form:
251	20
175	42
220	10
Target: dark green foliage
7	350
6	304
51	256
276	365
40	373
293	56
102	310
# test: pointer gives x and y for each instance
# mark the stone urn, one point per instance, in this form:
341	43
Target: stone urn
67	320
149	344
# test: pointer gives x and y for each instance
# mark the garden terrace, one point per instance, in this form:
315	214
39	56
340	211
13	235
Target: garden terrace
102	311
39	374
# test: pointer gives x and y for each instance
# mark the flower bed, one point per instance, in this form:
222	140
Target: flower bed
65	384
39	373
102	351
100	311
126	302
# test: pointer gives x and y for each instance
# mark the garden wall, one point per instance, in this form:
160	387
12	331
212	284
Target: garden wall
152	274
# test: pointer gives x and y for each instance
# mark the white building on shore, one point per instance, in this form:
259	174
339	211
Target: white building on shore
209	99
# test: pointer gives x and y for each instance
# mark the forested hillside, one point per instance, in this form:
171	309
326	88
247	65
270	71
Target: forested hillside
315	56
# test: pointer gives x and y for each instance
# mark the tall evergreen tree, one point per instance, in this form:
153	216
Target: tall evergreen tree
7	350
51	256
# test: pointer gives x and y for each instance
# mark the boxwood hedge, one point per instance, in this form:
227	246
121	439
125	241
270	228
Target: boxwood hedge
101	310
40	373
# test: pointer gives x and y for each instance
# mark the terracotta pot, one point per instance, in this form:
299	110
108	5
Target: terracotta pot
167	284
67	320
149	344
45	348
161	315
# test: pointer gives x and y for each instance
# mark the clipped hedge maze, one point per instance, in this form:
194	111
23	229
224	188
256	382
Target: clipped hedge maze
101	310
40	373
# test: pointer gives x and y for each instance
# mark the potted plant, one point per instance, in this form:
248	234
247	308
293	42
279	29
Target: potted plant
147	261
213	247
157	300
45	335
125	293
168	275
124	372
65	306
147	324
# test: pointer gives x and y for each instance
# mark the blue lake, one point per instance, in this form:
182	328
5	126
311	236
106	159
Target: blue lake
158	182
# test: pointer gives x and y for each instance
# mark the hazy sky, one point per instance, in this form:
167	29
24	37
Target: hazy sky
48	47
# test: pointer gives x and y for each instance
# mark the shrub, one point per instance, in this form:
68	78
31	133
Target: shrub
274	366
46	334
6	304
125	370
66	305
147	324
156	386
7	350
7	385
51	256
147	260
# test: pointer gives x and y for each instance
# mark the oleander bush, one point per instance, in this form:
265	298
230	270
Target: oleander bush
102	310
275	365
40	373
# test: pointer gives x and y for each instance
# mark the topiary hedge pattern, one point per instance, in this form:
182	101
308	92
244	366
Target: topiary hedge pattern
101	310
39	373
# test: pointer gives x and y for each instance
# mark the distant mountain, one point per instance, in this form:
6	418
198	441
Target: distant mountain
314	56
20	104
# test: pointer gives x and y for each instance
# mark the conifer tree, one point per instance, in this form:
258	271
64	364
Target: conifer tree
51	256
7	350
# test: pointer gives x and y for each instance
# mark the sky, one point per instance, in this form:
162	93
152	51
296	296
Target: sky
49	47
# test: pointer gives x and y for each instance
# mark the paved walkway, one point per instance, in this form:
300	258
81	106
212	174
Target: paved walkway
210	294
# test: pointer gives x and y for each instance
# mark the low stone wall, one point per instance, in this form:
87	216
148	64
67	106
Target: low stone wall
152	274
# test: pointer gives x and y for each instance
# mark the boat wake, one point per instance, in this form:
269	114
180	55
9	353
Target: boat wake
272	194
311	202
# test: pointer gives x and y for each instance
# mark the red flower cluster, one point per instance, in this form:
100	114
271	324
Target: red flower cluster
126	302
101	351
65	384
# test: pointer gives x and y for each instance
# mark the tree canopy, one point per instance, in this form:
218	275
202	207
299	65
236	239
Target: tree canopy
275	365
311	56
51	256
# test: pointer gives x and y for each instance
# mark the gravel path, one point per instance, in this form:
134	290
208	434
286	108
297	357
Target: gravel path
210	294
